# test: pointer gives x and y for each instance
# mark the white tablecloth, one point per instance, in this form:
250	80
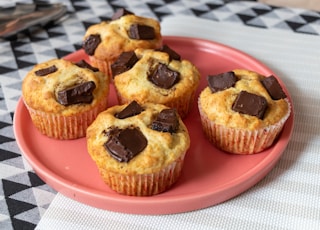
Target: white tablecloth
289	196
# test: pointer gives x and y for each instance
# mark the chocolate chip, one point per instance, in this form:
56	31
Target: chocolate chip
125	144
172	54
164	77
80	93
166	121
84	64
46	71
251	104
141	32
119	13
221	81
91	43
273	87
130	110
125	61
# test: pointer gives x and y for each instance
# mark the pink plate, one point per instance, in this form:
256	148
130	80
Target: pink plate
209	176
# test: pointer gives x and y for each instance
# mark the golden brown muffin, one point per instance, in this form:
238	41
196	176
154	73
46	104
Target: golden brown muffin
63	98
105	41
158	78
239	114
138	149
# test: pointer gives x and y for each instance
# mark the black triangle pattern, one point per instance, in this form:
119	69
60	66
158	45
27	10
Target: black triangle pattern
20	224
294	25
17	206
35	180
153	7
10	187
245	18
214	6
4	70
5	155
198	13
4	139
55	40
260	12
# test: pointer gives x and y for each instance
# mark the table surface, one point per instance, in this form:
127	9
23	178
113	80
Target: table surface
24	197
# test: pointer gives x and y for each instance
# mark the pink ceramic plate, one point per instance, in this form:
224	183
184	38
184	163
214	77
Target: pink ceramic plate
209	175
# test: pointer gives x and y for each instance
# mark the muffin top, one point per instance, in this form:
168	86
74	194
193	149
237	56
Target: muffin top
63	87
244	99
108	39
156	76
150	138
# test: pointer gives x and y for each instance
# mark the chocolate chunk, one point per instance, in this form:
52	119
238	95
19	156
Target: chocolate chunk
125	144
141	32
80	93
91	43
130	110
172	54
84	64
164	77
166	121
46	71
273	87
119	13
125	61
251	104
221	81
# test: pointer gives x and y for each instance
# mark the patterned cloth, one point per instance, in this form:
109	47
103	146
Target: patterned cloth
24	197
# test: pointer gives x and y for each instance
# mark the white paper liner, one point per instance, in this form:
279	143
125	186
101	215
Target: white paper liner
144	184
65	127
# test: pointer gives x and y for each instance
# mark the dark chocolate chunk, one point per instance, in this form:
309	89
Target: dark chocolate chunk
119	13
80	93
46	71
130	110
221	81
125	144
141	32
91	43
273	87
164	77
251	104
125	61
172	54
84	64
166	121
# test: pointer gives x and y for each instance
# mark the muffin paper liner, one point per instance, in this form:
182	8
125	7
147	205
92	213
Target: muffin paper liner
144	184
103	65
241	141
65	127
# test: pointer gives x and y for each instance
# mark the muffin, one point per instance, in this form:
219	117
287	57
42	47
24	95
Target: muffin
105	41
156	76
138	149
242	111
63	98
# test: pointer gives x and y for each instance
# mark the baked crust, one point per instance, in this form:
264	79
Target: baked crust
115	39
134	84
40	92
218	106
162	150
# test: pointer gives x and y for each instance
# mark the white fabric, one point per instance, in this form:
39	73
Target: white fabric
288	198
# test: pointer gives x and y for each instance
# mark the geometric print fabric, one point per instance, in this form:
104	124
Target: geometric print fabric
24	197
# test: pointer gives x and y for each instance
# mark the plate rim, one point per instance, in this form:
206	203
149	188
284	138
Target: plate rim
124	200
